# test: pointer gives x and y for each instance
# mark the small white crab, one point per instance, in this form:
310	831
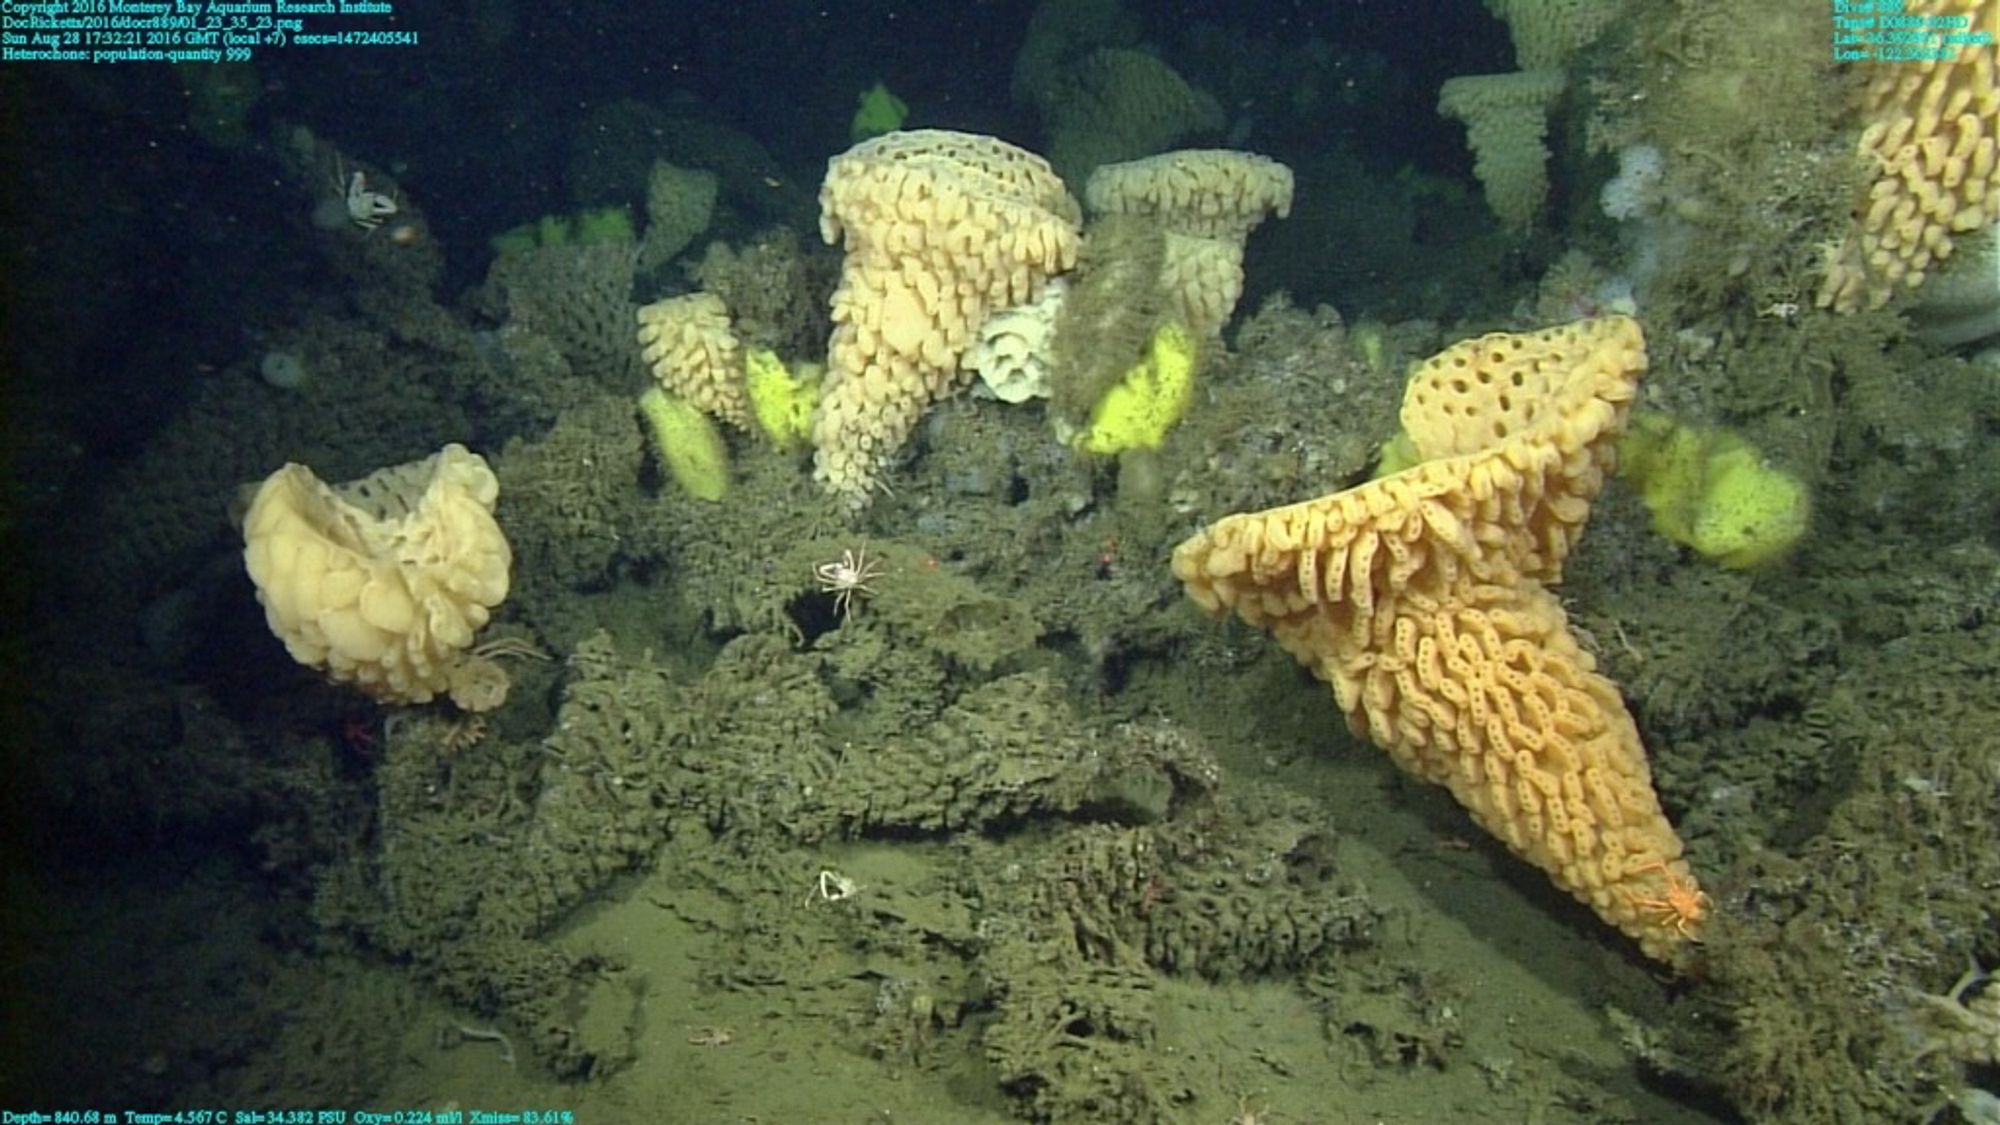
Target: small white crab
847	578
367	209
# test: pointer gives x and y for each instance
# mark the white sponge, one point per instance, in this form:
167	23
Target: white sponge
1635	190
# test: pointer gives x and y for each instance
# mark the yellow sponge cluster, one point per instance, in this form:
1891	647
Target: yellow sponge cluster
1423	599
1930	134
383	582
781	399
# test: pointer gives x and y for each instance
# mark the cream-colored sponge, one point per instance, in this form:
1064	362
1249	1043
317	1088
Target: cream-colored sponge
694	353
383	582
1208	201
941	230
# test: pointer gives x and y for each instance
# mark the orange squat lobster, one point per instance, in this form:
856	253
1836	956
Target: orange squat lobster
1682	906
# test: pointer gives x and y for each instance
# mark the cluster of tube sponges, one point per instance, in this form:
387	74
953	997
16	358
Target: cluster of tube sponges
703	372
384	582
955	245
951	237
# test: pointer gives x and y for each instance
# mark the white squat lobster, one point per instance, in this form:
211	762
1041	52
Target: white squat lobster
846	578
366	209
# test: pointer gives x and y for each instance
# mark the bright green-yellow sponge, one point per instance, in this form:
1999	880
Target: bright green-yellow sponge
1397	454
1140	408
781	401
688	443
877	112
1711	490
604	224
